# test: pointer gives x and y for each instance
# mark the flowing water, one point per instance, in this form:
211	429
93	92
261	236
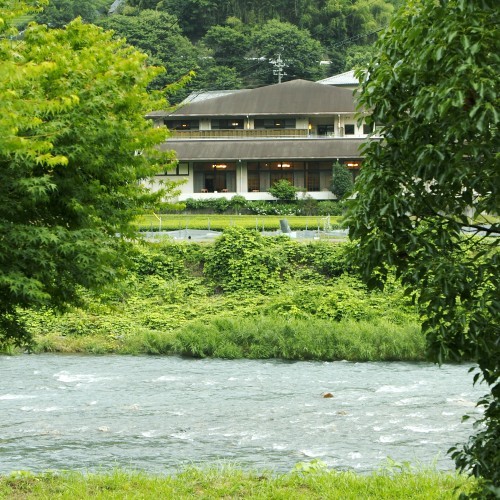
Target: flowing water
161	413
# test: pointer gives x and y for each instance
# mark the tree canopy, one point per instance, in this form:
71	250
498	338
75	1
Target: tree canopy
72	125
239	35
428	194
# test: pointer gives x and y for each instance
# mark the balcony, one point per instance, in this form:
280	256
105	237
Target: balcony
238	133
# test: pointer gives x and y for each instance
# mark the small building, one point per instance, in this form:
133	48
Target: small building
241	142
345	80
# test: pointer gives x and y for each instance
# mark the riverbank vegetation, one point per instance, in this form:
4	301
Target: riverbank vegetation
305	482
246	295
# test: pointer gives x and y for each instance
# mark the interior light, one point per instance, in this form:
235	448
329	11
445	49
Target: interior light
219	165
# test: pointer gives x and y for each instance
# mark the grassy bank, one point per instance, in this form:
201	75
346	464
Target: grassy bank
256	338
233	483
245	296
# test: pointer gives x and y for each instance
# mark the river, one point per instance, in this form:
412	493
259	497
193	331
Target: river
159	414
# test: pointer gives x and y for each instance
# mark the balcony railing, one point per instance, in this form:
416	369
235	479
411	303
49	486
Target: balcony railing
238	133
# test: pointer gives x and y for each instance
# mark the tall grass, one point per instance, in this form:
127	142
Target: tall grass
296	339
228	482
261	337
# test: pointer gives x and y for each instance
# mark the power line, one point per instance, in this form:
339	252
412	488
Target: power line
357	37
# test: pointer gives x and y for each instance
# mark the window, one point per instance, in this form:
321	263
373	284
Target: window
349	129
181	168
313	181
273	123
367	129
326	130
182	124
253	181
227	124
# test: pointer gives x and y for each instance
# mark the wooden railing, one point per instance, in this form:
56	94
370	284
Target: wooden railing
236	134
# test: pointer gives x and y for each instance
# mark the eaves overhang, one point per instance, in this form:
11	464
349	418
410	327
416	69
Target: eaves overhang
264	149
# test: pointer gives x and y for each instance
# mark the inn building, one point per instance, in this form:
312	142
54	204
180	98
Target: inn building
241	142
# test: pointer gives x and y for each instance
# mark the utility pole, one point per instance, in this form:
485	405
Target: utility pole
279	64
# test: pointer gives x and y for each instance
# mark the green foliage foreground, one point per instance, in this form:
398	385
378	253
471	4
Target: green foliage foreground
308	481
73	106
434	87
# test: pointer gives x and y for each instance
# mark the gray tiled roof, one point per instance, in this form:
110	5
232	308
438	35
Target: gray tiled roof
294	98
264	149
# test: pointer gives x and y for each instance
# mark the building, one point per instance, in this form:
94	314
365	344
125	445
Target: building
242	142
345	80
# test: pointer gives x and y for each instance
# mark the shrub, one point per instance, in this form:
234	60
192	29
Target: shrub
331	208
237	203
307	206
342	181
270	208
241	259
283	190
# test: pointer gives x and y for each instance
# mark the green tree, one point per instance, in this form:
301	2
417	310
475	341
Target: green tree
158	35
342	181
229	46
74	148
195	16
358	57
426	192
215	78
58	13
300	53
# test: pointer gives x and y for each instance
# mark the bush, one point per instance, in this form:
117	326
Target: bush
342	181
244	260
272	208
218	205
331	208
283	190
307	206
237	203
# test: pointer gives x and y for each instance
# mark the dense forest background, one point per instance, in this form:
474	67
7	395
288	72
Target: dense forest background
232	44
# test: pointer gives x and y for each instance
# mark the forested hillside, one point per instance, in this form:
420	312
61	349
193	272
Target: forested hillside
230	44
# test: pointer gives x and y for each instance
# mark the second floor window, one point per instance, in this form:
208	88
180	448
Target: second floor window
367	129
270	123
349	128
227	124
182	124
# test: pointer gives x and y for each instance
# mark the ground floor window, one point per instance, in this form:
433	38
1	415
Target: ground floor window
220	176
215	177
312	176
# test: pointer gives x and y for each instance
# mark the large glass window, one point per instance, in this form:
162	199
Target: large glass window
217	177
